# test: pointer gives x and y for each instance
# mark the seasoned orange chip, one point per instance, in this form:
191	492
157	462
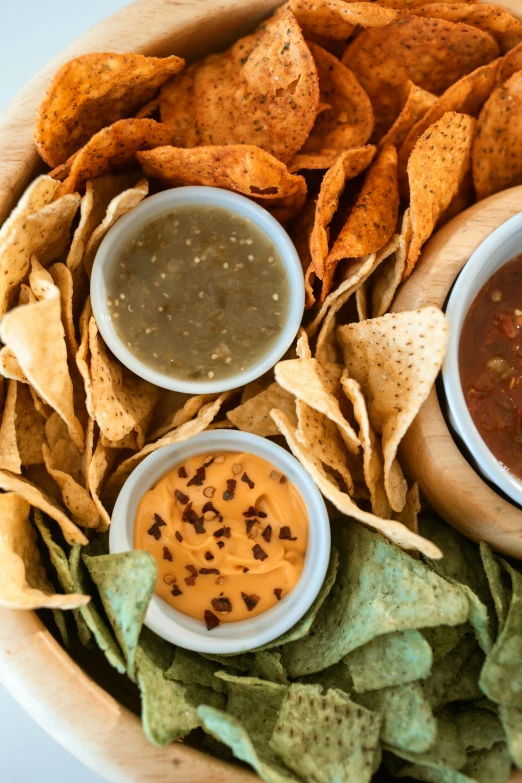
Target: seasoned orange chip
432	53
497	148
438	164
348	122
389	274
492	19
336	19
372	221
510	64
93	91
321	159
395	359
466	96
347	166
416	104
242	168
113	146
264	90
300	229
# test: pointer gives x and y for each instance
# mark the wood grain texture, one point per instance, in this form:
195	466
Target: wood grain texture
428	452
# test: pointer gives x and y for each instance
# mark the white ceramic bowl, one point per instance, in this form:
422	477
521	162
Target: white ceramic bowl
245	634
502	245
156	205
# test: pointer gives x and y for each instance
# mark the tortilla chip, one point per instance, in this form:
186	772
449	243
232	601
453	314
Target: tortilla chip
372	221
9	366
121	203
264	90
390	660
348	165
447	753
75	497
99	465
22	431
322	159
497	148
174	408
9	454
348	122
83	356
254	415
498	591
62	278
23	583
382	349
190	668
241	168
416	103
35	335
434	176
387	276
410	513
392	530
44	232
361	302
120	399
113	146
407	5
93	91
336	20
432	53
492	19
510	64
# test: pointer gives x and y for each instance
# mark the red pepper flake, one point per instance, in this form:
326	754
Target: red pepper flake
209	507
246	570
259	554
211	620
178	536
283	480
286	534
176	591
223	532
277	593
250	524
190	516
159	521
267	533
251	601
253	512
191	580
221	544
209	556
206	571
222	605
248	481
231	488
167	555
183	499
198	478
182	473
154	531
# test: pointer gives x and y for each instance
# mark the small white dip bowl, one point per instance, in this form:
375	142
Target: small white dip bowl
501	246
243	635
162	203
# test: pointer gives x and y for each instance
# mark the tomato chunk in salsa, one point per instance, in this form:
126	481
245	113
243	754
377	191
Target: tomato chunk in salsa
490	359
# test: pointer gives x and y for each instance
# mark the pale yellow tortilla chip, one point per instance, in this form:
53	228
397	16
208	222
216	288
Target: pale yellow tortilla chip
409	515
37	195
119	205
174	409
100	464
36	497
394	531
120	399
75	497
302	346
436	167
36	336
83	356
30	427
254	416
62	278
44	232
492	19
388	275
9	366
310	381
335	19
361	302
416	103
395	359
9	454
23	582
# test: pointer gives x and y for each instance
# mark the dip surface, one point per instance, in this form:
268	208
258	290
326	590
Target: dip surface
490	359
229	536
198	293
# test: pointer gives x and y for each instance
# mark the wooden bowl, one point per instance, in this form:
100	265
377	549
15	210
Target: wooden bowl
59	694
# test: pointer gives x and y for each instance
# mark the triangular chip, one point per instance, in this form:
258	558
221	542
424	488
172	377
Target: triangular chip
390	660
395	359
492	19
254	415
319	160
388	276
38	194
510	64
22	430
99	465
174	409
62	278
416	103
337	20
75	497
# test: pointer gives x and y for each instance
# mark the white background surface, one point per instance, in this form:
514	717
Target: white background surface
31	32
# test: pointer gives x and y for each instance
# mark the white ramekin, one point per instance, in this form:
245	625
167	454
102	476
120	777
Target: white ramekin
502	245
243	635
151	208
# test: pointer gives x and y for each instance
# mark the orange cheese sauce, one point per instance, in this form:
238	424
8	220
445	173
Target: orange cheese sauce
229	536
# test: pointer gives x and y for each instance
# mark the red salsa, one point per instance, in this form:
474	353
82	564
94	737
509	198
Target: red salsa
490	359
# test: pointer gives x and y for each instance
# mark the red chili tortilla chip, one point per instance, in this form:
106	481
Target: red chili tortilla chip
497	148
492	19
373	219
93	91
432	53
406	5
416	103
510	64
264	90
113	146
300	229
322	159
395	359
388	276
336	19
348	122
436	167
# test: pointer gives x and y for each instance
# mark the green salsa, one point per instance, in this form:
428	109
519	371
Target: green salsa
198	293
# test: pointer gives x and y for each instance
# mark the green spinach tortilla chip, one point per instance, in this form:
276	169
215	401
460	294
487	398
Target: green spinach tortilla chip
445	670
268	666
489	766
499	592
341	738
511	718
337	676
446	753
242	662
125	582
388	660
478	729
465	686
444	638
379	589
189	668
256	703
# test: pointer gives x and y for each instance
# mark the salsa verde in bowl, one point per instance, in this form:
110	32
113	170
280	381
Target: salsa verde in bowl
198	290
